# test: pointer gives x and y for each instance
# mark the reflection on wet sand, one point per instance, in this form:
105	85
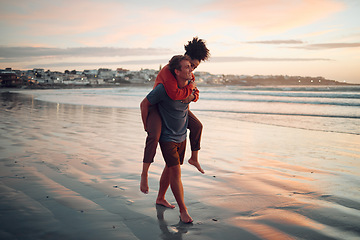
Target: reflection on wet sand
173	231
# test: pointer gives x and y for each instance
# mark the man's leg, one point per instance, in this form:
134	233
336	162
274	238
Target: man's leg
178	191
163	187
174	156
195	128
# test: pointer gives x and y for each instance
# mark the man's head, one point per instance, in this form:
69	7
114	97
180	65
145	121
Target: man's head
197	51
180	67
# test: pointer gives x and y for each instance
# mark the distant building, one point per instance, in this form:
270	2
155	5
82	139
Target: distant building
121	70
91	73
106	73
9	79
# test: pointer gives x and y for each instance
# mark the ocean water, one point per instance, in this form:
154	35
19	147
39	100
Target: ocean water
329	109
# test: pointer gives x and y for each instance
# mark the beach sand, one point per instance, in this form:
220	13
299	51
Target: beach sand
73	172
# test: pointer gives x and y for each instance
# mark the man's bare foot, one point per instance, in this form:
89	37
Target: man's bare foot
185	217
144	187
165	203
196	164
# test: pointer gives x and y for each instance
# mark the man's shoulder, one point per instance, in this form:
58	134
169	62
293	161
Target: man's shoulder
157	94
160	88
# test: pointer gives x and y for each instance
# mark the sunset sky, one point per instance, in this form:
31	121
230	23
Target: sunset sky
266	37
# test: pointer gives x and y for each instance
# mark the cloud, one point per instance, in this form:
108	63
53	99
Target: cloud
155	62
69	23
319	46
46	18
38	52
271	16
96	64
324	46
277	42
257	59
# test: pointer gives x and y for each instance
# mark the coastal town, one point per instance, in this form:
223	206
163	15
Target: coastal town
41	78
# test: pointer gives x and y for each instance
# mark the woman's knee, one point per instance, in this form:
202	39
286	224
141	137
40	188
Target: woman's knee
199	126
195	127
153	137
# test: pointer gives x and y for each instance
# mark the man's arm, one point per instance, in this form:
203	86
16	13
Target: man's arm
144	107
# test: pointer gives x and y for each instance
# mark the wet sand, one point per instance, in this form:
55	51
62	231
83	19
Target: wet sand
73	172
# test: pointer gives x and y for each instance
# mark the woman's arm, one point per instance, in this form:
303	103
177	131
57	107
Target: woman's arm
196	94
193	97
171	87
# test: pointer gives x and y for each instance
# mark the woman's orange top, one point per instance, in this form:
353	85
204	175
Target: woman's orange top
166	78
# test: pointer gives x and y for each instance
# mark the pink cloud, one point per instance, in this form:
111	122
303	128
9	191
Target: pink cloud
321	46
275	15
93	24
142	29
63	17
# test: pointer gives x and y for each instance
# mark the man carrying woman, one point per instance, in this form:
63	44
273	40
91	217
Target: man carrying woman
197	51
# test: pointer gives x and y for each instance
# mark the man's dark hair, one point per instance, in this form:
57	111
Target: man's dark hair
175	62
196	49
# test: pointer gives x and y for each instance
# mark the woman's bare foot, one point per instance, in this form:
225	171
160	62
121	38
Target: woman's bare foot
196	164
144	187
185	217
164	203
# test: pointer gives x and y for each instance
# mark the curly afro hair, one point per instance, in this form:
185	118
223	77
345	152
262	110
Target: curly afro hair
196	49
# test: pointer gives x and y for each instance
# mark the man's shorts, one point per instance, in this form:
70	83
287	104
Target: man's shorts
173	153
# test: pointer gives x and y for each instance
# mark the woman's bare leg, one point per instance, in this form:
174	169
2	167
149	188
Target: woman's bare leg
144	186
195	162
195	128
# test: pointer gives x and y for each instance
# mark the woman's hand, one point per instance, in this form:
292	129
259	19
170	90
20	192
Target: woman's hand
188	99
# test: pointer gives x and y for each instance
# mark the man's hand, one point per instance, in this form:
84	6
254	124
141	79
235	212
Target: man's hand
188	99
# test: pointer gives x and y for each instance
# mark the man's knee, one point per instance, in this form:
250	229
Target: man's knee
175	171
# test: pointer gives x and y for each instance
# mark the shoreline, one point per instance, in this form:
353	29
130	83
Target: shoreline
275	86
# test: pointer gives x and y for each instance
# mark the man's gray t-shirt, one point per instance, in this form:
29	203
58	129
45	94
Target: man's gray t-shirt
174	115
